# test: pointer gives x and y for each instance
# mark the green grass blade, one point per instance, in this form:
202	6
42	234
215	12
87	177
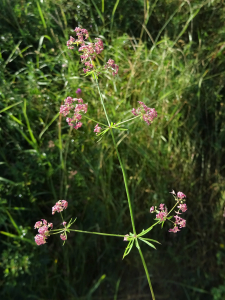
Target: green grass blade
10	56
17	237
13	222
98	11
49	124
28	123
8	107
113	13
41	15
15	119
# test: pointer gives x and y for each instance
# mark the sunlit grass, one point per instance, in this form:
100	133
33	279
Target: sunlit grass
180	74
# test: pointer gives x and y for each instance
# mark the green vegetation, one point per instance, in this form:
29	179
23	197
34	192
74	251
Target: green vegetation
171	56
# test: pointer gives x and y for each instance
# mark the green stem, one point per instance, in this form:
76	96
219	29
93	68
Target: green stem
127	191
94	120
125	182
102	100
146	272
127	120
120	161
173	208
99	233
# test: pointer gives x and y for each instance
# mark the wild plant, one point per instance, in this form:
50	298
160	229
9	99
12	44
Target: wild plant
74	109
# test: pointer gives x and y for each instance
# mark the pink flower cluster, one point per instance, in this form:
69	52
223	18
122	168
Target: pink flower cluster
148	114
97	129
43	230
59	206
68	106
81	33
90	50
162	214
89	53
179	222
111	65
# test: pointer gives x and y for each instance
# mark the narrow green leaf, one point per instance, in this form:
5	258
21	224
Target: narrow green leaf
28	123
98	11
13	222
145	231
152	241
17	237
15	119
7	180
10	56
128	248
8	107
122	129
151	245
113	12
41	15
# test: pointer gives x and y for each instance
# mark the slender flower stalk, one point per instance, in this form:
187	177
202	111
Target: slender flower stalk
128	194
98	233
120	161
147	274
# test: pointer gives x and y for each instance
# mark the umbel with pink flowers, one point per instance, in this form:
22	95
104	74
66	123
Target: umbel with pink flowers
74	109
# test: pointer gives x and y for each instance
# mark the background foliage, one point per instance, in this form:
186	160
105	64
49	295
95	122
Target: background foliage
171	56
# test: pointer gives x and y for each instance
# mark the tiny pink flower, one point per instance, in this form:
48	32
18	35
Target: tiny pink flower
38	224
97	129
161	216
126	237
44	222
152	209
50	225
161	206
181	195
64	223
175	229
63	237
40	239
43	230
182	207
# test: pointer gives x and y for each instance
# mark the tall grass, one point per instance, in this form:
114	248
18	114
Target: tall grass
177	66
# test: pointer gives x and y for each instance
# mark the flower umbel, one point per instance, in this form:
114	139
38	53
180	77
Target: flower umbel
148	114
43	230
161	216
69	106
59	206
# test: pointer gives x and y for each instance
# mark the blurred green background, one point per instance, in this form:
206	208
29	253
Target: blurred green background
171	56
